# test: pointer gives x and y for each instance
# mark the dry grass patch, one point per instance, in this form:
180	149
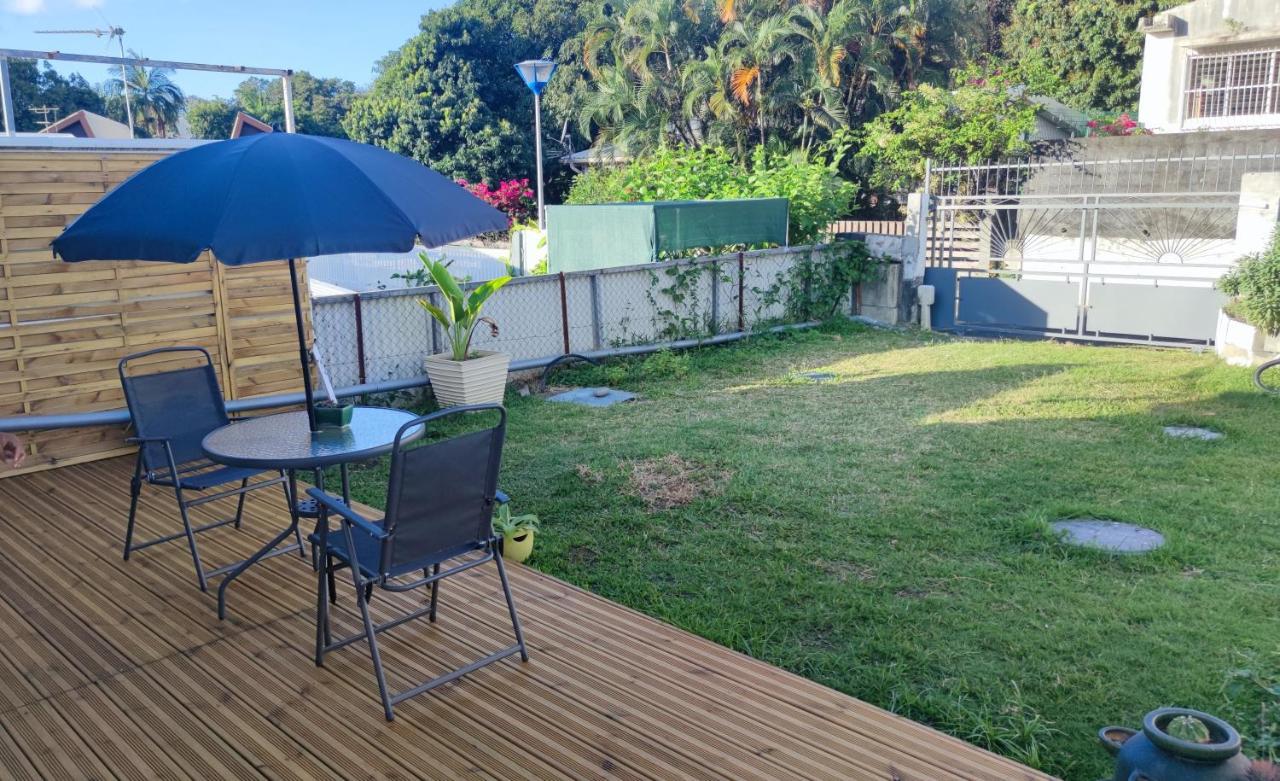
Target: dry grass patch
673	481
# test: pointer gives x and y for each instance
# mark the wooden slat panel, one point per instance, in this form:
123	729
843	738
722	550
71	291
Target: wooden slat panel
121	669
64	326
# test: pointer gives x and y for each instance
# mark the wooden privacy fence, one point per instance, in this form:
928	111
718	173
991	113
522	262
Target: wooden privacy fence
64	326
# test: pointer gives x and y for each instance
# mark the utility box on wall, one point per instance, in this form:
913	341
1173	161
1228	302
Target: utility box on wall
608	235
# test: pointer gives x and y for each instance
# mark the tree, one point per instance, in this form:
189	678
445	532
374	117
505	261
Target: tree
450	96
746	72
36	84
212	118
319	104
984	116
156	99
1085	53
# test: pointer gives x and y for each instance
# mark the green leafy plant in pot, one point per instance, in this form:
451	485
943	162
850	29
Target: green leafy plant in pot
516	531
463	375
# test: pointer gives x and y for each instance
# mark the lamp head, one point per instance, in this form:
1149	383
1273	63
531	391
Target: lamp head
536	73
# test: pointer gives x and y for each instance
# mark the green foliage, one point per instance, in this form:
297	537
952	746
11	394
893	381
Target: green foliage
450	97
211	118
818	194
1252	704
1254	287
461	313
38	84
1085	53
319	104
510	526
156	99
821	282
743	73
665	364
984	116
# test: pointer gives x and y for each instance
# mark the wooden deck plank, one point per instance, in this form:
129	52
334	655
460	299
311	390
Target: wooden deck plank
121	669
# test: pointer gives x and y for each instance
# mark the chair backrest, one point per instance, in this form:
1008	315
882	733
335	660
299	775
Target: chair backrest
180	405
441	494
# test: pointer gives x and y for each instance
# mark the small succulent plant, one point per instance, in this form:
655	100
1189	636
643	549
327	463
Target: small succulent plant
1189	728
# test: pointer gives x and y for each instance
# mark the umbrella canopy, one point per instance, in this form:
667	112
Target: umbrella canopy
273	196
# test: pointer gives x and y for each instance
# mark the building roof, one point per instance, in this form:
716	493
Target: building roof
89	125
1060	114
247	125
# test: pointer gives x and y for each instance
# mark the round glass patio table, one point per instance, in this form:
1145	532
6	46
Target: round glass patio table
286	443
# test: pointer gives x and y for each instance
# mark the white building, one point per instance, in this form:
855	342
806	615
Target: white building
1212	65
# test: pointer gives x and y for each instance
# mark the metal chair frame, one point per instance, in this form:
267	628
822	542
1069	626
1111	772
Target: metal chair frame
171	473
365	576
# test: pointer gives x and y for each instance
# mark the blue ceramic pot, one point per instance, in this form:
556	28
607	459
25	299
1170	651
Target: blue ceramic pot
1155	755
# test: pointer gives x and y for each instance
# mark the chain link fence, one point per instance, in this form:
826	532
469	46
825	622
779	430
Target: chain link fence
386	335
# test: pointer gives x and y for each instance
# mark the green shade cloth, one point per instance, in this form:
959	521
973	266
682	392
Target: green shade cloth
606	235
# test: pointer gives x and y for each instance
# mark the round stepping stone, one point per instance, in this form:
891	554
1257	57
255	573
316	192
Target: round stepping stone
1111	536
1193	432
818	376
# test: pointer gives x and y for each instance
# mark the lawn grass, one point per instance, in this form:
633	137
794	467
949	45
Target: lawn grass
885	532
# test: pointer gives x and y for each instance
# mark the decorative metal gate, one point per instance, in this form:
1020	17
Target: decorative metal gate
1111	249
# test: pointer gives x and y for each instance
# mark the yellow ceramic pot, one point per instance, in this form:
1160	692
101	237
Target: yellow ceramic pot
518	548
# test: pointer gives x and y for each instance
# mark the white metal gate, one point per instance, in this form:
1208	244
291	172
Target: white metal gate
1112	249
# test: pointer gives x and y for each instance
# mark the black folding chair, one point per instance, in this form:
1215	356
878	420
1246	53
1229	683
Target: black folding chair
440	502
172	411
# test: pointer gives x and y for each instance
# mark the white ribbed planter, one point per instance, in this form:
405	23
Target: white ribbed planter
1240	344
478	380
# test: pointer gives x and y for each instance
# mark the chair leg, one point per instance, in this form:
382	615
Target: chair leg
511	607
135	489
333	589
435	593
240	502
324	585
371	635
191	541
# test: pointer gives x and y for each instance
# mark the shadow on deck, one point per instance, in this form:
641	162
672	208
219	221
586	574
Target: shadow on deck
112	669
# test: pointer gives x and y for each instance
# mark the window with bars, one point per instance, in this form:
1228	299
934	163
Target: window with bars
1233	84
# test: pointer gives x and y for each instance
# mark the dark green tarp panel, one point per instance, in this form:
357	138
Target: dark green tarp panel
624	234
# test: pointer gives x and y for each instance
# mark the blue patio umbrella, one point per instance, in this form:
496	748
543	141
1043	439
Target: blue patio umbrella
276	196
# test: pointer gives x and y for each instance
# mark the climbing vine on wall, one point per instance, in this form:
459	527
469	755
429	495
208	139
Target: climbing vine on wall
822	281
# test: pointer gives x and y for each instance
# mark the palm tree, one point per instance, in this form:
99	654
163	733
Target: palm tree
157	100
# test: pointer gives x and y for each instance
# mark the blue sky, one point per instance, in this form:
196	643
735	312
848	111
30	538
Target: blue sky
327	37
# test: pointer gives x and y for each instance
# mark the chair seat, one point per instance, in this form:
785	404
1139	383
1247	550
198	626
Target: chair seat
210	478
369	552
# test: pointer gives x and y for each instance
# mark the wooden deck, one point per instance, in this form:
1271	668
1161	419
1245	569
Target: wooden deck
121	670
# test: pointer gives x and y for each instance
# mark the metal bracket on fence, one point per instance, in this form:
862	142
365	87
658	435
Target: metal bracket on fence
564	313
715	297
742	273
434	297
597	326
359	312
542	382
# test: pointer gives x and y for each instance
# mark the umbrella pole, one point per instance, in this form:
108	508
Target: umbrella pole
303	353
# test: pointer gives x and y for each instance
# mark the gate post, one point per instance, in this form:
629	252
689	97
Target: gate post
1259	204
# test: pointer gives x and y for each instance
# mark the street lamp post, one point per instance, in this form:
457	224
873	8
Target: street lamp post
536	74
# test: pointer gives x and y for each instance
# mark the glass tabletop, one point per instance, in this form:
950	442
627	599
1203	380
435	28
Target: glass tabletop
285	441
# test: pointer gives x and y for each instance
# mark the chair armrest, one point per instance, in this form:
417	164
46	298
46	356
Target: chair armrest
145	440
501	497
334	505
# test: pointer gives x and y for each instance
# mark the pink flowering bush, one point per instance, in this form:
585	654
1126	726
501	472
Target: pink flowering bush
513	197
1123	125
